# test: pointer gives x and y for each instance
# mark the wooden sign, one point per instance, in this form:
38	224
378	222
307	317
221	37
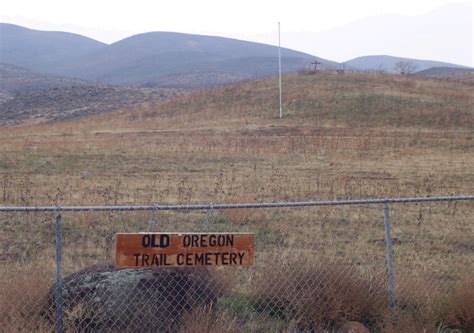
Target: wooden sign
152	250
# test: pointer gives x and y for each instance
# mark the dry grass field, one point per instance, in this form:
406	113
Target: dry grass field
342	136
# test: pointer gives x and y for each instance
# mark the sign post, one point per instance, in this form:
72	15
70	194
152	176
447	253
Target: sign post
154	250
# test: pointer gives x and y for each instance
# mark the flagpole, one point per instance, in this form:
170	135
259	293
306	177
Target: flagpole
279	67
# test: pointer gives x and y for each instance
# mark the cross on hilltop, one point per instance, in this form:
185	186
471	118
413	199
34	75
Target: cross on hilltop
315	63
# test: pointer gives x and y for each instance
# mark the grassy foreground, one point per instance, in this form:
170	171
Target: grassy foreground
342	136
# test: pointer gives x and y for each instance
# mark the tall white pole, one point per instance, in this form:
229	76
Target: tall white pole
279	67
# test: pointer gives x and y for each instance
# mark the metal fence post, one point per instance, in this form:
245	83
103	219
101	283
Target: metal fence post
210	218
59	279
392	297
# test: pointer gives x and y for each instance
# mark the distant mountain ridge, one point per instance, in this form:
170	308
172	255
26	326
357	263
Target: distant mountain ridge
150	59
165	59
387	63
42	51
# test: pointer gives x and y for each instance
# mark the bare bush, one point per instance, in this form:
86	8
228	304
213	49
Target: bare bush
404	67
205	320
320	296
460	305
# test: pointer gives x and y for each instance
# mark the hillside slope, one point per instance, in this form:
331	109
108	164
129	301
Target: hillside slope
350	100
27	96
17	80
71	102
354	135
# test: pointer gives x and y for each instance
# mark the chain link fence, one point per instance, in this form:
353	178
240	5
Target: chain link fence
390	264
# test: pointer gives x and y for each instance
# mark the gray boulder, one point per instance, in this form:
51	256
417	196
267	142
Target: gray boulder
132	300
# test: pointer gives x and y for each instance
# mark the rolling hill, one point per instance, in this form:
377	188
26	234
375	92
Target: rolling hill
154	59
386	63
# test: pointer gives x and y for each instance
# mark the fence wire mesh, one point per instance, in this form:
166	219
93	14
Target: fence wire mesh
315	268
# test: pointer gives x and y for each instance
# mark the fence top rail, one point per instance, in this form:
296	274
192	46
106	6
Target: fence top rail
210	206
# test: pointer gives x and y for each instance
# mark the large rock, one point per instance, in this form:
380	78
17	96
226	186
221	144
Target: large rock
133	300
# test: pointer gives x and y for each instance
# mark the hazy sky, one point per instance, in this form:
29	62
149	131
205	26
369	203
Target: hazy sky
336	29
